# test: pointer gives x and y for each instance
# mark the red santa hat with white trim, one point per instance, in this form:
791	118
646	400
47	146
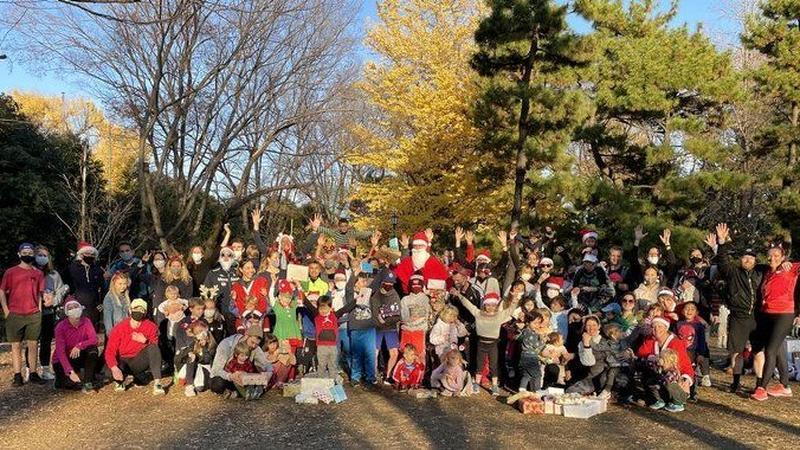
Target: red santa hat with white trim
555	282
491	298
484	257
587	234
420	239
437	284
85	248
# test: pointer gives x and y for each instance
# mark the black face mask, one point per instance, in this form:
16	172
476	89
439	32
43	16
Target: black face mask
89	260
695	260
27	259
137	316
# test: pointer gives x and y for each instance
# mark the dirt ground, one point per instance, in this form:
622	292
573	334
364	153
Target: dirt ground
35	417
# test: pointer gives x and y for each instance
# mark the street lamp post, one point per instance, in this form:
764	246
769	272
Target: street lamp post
394	223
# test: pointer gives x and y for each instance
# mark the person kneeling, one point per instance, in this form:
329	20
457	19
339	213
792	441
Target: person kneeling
76	349
132	349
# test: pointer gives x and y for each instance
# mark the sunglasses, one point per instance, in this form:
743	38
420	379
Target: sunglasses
546	265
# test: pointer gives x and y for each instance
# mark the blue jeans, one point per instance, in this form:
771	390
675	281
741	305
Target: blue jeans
362	359
344	349
531	372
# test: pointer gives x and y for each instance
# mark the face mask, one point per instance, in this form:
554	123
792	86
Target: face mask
552	293
197	257
42	260
416	289
526	276
159	264
27	259
695	259
226	265
652	260
209	313
340	284
74	313
137	315
237	255
89	260
127	256
651	281
176	271
313	298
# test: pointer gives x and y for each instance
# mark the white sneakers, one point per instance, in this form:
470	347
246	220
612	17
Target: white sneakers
706	382
47	373
189	391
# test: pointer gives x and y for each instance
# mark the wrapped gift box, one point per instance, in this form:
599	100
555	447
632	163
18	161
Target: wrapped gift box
310	384
256	379
291	389
583	410
531	405
306	399
338	394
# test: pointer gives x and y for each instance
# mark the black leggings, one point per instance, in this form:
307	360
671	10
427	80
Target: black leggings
88	361
487	349
773	329
46	338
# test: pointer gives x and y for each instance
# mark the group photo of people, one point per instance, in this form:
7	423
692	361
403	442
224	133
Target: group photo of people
617	321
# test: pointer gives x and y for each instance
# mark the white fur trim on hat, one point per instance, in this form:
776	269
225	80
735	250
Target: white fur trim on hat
661	320
437	284
588	235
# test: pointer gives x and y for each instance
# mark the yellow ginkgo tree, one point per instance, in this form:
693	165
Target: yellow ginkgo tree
419	142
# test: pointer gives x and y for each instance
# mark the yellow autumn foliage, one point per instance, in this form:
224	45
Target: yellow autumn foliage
422	88
114	146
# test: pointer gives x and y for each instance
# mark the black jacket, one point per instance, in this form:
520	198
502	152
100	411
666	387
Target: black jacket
743	286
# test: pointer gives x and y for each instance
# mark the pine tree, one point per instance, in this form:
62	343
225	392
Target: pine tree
531	101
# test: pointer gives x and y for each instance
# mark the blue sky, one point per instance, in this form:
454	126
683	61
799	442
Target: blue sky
14	75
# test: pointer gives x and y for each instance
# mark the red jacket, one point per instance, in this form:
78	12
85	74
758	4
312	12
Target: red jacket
432	270
650	348
778	290
240	292
121	344
326	329
408	378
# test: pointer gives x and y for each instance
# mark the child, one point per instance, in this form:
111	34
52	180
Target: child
361	332
672	385
214	319
488	320
241	363
447	330
555	353
414	311
386	309
531	345
182	337
251	315
307	354
287	327
197	358
450	377
409	370
171	312
692	329
284	362
326	326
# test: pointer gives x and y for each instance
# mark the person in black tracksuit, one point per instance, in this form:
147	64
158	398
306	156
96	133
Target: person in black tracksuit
743	283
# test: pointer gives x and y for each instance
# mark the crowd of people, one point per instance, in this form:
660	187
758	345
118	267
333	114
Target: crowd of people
241	319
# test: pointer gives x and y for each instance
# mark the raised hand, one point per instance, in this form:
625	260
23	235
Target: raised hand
375	239
315	222
459	234
404	241
665	237
146	256
711	240
723	233
469	236
638	234
512	235
429	234
227	228
256	216
502	236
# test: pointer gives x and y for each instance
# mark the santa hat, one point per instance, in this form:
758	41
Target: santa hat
86	248
420	239
483	257
491	298
587	234
437	284
340	274
666	291
227	249
555	282
546	261
285	287
661	320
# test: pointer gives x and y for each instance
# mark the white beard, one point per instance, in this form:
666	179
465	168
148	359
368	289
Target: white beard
419	258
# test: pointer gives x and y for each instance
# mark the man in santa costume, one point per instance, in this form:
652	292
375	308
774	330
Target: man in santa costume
420	262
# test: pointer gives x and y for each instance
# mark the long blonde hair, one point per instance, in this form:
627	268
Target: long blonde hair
117	295
169	277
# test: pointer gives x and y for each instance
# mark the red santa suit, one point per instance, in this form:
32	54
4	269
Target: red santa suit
433	269
650	348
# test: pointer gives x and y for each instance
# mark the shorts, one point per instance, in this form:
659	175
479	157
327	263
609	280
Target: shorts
23	327
741	330
391	337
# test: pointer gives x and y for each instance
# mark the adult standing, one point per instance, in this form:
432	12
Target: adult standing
774	322
132	349
54	285
222	276
224	382
21	296
86	280
198	266
743	283
76	349
131	264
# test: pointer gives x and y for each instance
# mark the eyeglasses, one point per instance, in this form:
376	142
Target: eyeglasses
546	265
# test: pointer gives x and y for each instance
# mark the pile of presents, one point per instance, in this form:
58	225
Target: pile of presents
311	391
556	401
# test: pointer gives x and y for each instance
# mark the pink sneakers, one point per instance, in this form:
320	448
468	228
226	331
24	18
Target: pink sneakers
779	390
759	394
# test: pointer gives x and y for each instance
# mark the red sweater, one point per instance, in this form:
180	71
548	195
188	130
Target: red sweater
327	329
240	288
778	290
121	344
408	377
650	347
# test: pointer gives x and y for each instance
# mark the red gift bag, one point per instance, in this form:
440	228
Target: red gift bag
531	405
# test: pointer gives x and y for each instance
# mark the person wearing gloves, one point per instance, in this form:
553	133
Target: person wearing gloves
132	349
76	349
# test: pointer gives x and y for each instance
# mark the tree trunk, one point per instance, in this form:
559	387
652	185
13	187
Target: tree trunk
521	169
791	159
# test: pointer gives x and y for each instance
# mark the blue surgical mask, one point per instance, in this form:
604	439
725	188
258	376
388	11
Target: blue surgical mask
42	260
126	256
